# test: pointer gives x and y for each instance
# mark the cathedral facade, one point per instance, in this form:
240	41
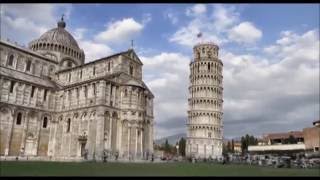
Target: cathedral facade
54	105
204	124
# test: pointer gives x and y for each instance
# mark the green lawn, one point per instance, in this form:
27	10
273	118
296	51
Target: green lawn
139	169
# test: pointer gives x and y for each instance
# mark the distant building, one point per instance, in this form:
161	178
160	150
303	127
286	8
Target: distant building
293	141
312	137
283	138
237	147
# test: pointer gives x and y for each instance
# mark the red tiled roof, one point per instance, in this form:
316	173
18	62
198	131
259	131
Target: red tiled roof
295	134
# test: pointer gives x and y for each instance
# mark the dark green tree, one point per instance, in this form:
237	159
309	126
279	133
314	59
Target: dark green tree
246	141
229	147
232	146
182	147
167	147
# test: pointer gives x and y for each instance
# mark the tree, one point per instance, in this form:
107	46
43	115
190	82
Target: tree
232	146
229	147
167	147
182	147
247	141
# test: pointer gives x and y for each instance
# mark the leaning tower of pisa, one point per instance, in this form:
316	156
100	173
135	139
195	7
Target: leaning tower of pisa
204	124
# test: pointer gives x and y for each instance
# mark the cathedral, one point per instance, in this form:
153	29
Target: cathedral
54	106
204	124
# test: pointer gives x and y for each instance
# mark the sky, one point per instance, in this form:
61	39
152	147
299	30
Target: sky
270	54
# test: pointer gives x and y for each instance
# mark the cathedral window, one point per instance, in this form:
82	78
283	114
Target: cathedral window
12	86
28	68
19	118
209	67
69	64
85	91
32	91
45	95
68	127
131	70
45	122
10	60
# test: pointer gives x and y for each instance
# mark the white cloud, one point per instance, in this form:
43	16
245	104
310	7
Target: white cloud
120	31
224	17
187	36
172	17
25	22
196	10
146	18
166	74
245	32
265	94
212	27
94	50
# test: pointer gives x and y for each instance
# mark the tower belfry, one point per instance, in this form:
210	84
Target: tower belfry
204	124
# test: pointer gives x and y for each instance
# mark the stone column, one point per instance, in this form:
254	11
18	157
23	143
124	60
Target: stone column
114	96
136	143
99	134
38	133
119	134
129	132
102	92
141	150
25	129
7	149
110	132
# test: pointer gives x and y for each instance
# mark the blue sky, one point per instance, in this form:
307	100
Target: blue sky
270	54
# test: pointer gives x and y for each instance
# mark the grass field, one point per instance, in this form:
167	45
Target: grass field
8	168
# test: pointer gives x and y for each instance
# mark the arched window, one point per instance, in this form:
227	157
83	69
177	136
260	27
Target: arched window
28	68
94	70
209	67
10	60
108	66
45	95
85	91
68	126
45	122
131	70
32	91
19	118
125	92
69	64
12	86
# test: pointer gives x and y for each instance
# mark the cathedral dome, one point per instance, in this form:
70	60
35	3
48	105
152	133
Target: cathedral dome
58	40
59	35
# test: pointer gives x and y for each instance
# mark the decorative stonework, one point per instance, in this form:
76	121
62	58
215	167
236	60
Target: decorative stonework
204	124
72	109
